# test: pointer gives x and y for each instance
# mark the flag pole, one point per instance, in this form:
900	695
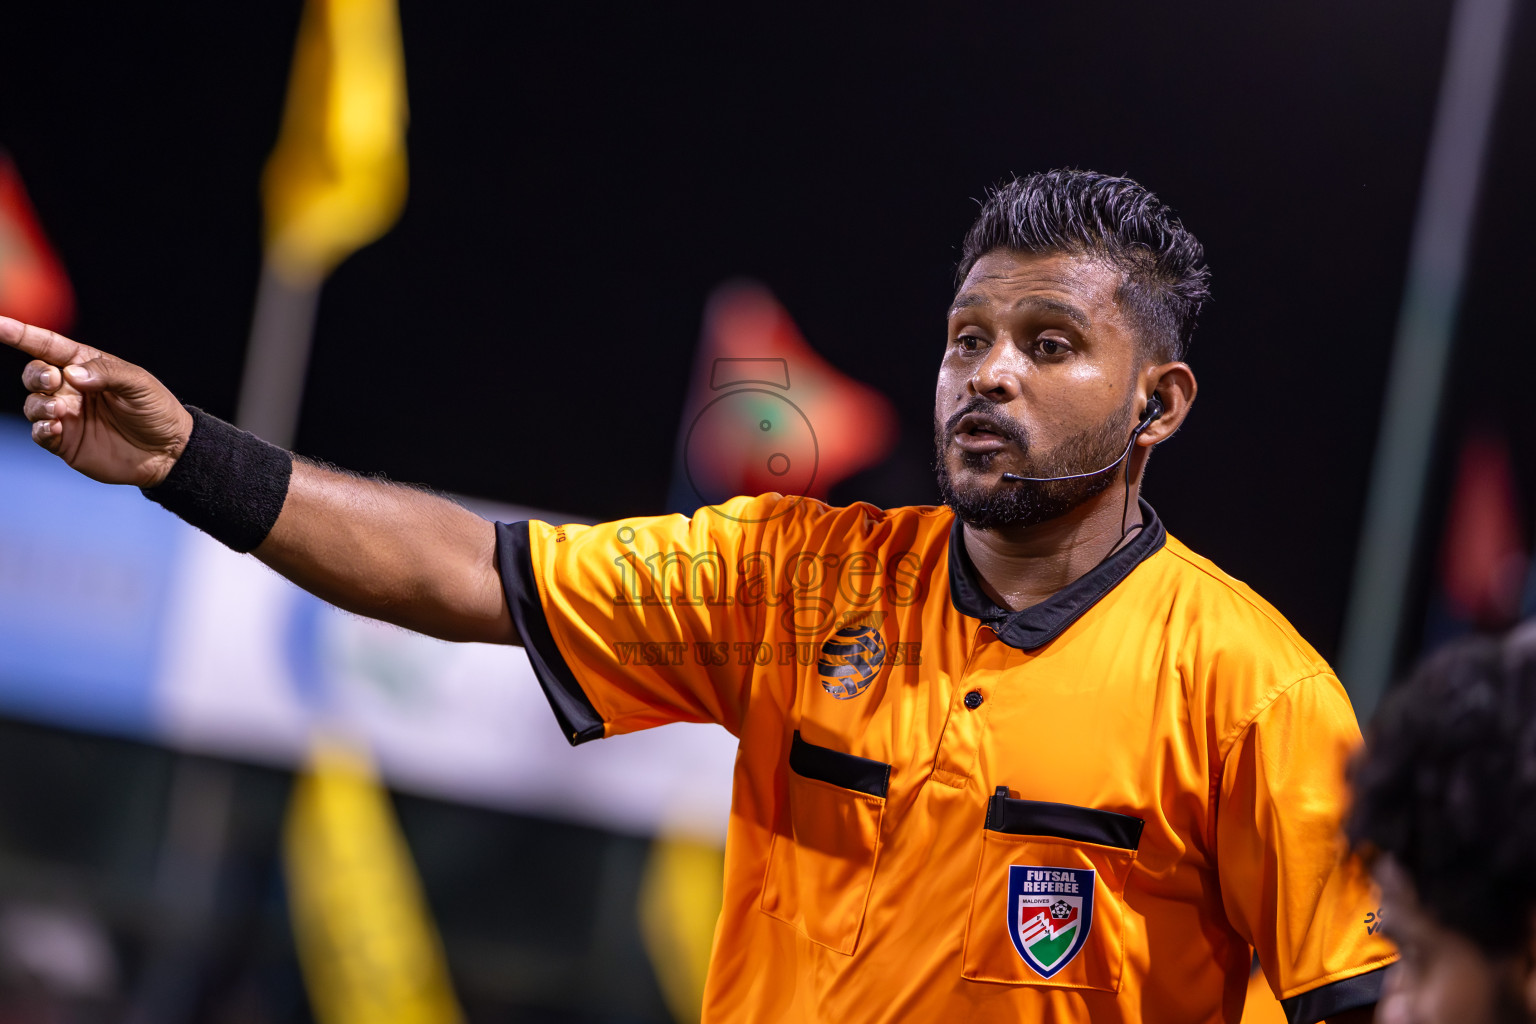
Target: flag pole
277	358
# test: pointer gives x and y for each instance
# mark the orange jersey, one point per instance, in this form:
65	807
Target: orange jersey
1092	809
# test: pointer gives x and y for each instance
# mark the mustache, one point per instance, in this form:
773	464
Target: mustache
986	412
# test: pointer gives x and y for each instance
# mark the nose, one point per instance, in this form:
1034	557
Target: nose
997	377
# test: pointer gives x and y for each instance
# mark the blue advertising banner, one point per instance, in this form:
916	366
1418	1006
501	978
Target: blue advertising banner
85	574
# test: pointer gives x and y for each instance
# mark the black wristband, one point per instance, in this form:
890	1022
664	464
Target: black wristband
228	483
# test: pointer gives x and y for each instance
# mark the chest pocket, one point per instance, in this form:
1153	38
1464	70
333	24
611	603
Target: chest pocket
819	875
1048	906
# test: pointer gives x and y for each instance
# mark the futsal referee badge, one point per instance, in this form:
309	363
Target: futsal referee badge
1049	913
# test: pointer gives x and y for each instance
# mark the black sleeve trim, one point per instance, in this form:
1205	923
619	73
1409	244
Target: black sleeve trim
1063	821
824	764
1334	998
569	702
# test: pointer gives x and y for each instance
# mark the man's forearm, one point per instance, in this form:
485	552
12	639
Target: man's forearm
390	552
374	548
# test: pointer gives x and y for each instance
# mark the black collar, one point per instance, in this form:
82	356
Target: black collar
1039	624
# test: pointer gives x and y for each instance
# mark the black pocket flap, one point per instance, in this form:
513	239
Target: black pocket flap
824	764
1064	821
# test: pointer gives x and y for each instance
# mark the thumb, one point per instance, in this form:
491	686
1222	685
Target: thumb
104	373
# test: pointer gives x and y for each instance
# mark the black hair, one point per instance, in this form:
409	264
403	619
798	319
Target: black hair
1446	785
1115	219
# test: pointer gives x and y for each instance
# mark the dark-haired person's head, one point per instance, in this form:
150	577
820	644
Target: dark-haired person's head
1077	298
1445	810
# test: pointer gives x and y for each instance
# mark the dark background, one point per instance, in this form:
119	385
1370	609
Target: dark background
581	177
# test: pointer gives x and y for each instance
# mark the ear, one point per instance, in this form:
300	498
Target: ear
1174	385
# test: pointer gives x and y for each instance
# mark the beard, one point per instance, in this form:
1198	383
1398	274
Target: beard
984	506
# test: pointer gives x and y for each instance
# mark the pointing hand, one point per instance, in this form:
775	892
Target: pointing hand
110	420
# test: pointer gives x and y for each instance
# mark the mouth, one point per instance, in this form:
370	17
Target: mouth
977	433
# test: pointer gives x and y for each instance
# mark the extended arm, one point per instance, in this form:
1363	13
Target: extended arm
390	552
375	548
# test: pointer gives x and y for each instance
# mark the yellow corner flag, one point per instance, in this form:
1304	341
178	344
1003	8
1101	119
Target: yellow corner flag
334	183
336	180
680	897
366	943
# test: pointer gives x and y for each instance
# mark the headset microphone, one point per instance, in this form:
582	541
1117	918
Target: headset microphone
1153	411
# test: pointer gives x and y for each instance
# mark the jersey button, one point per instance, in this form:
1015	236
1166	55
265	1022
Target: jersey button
973	699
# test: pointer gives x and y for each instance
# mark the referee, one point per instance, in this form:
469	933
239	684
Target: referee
1020	757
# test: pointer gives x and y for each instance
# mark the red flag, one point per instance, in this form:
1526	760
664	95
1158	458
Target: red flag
33	285
766	413
1483	560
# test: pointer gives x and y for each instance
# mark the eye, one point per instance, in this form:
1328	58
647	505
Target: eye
1051	346
970	343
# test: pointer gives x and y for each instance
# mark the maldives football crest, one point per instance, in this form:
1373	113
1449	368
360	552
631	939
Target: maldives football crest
1049	913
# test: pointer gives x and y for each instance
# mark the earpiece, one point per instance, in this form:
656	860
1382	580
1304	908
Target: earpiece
1153	411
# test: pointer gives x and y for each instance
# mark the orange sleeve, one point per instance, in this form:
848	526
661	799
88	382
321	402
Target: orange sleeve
639	622
1288	882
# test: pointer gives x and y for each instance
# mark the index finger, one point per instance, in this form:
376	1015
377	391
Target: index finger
36	342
